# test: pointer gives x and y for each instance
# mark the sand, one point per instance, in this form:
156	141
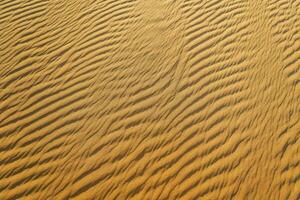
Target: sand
149	99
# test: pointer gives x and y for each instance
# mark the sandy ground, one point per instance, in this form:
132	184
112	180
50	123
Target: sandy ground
150	99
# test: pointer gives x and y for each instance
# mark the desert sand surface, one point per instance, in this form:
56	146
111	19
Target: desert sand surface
150	99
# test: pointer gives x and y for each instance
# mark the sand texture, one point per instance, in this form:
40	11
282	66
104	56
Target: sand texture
150	99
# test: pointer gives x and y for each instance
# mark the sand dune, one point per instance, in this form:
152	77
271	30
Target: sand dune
132	99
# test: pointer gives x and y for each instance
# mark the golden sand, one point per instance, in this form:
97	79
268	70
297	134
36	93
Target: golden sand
150	99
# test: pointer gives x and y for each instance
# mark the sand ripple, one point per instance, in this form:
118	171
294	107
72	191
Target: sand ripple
132	99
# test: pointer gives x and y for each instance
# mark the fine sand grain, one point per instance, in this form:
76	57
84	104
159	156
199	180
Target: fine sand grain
150	99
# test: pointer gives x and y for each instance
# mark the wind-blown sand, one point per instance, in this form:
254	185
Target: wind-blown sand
149	99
